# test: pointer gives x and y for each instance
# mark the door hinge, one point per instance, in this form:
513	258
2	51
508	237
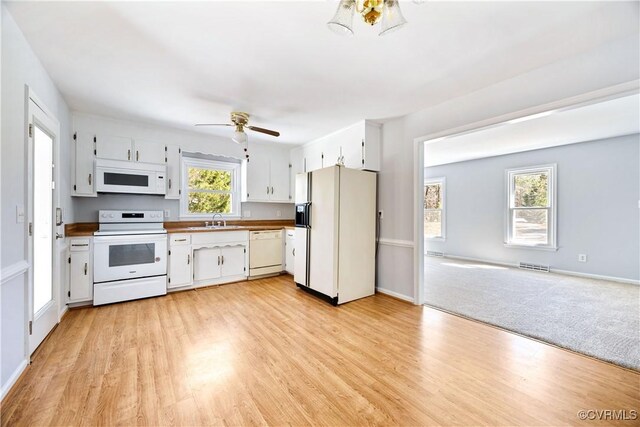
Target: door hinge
30	327
74	187
69	294
245	250
179	150
95	139
289	165
168	279
247	195
169	252
30	229
69	260
75	136
244	268
179	191
30	130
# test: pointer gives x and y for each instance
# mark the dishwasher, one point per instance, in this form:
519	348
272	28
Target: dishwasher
265	252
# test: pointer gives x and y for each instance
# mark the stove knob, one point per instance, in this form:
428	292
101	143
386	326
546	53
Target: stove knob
103	215
110	215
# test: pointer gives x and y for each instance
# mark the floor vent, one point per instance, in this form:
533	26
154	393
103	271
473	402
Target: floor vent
534	267
433	253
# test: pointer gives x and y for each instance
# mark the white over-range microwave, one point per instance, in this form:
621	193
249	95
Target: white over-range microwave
119	176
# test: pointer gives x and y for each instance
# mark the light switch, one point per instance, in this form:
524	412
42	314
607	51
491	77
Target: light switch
247	214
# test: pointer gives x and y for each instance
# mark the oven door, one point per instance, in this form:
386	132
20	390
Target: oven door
128	257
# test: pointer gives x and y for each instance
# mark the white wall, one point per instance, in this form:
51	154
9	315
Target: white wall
598	187
20	67
86	208
607	65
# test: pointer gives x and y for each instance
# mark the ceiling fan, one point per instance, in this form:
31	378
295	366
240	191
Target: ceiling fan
240	120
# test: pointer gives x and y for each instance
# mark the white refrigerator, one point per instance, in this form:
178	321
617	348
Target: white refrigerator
335	237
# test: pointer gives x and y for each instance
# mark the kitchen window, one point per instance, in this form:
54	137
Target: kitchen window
434	213
531	212
209	187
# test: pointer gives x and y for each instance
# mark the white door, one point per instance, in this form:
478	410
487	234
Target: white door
179	266
232	261
173	172
84	182
280	178
149	152
43	292
113	147
206	264
80	276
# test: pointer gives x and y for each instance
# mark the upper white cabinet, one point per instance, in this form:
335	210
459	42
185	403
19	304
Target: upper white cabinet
172	155
266	176
123	148
83	179
358	146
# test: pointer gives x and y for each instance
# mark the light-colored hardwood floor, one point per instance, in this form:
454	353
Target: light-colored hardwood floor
264	352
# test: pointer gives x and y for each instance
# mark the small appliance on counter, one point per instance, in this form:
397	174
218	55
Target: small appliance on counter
130	256
335	235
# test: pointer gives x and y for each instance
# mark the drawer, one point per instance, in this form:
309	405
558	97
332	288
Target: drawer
264	235
80	245
291	234
179	239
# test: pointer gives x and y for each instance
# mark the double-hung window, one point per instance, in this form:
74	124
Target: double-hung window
434	215
209	187
531	213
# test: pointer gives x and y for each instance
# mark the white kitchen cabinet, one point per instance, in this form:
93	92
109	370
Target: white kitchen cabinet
297	166
84	173
289	251
80	274
180	264
331	153
232	261
173	172
265	177
206	264
148	151
114	147
312	158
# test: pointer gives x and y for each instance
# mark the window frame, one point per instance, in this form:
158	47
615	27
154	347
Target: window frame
443	215
552	217
235	192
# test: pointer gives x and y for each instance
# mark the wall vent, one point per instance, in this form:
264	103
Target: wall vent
434	253
534	267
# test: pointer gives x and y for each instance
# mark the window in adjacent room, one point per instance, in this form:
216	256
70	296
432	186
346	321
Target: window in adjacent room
531	215
434	215
209	187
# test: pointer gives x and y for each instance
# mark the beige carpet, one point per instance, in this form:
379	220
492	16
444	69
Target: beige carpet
595	317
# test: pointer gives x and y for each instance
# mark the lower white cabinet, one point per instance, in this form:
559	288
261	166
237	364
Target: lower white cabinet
233	261
219	262
80	275
289	251
180	264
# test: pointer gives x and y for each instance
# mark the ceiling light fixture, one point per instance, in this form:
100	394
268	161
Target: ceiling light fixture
372	11
239	136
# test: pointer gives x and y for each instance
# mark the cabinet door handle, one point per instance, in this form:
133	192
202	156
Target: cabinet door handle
267	189
294	251
188	259
181	240
128	154
90	178
218	259
137	155
271	190
85	268
223	259
169	183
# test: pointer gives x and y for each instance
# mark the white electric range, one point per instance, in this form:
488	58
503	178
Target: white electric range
130	256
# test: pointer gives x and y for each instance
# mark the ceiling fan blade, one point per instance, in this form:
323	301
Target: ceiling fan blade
263	130
213	124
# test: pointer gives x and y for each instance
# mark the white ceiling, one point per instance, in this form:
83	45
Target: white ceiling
615	117
179	63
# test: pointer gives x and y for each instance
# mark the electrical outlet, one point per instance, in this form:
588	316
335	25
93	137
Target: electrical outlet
278	214
19	214
381	214
247	214
582	257
167	213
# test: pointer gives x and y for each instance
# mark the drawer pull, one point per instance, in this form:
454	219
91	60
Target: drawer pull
79	244
181	240
218	259
188	259
85	268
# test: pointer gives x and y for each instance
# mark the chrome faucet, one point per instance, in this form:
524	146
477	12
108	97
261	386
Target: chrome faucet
213	220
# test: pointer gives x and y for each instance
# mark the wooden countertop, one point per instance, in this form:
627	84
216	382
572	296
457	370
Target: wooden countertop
83	229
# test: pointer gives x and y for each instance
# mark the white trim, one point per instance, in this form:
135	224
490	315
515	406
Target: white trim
534	247
396	242
65	308
6	387
236	192
418	222
551	270
395	294
14	270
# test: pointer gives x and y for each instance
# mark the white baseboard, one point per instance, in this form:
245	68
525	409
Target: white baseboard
13	378
396	242
395	295
553	270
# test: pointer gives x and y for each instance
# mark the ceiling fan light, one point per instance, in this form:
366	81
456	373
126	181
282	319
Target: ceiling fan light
342	21
392	18
239	137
